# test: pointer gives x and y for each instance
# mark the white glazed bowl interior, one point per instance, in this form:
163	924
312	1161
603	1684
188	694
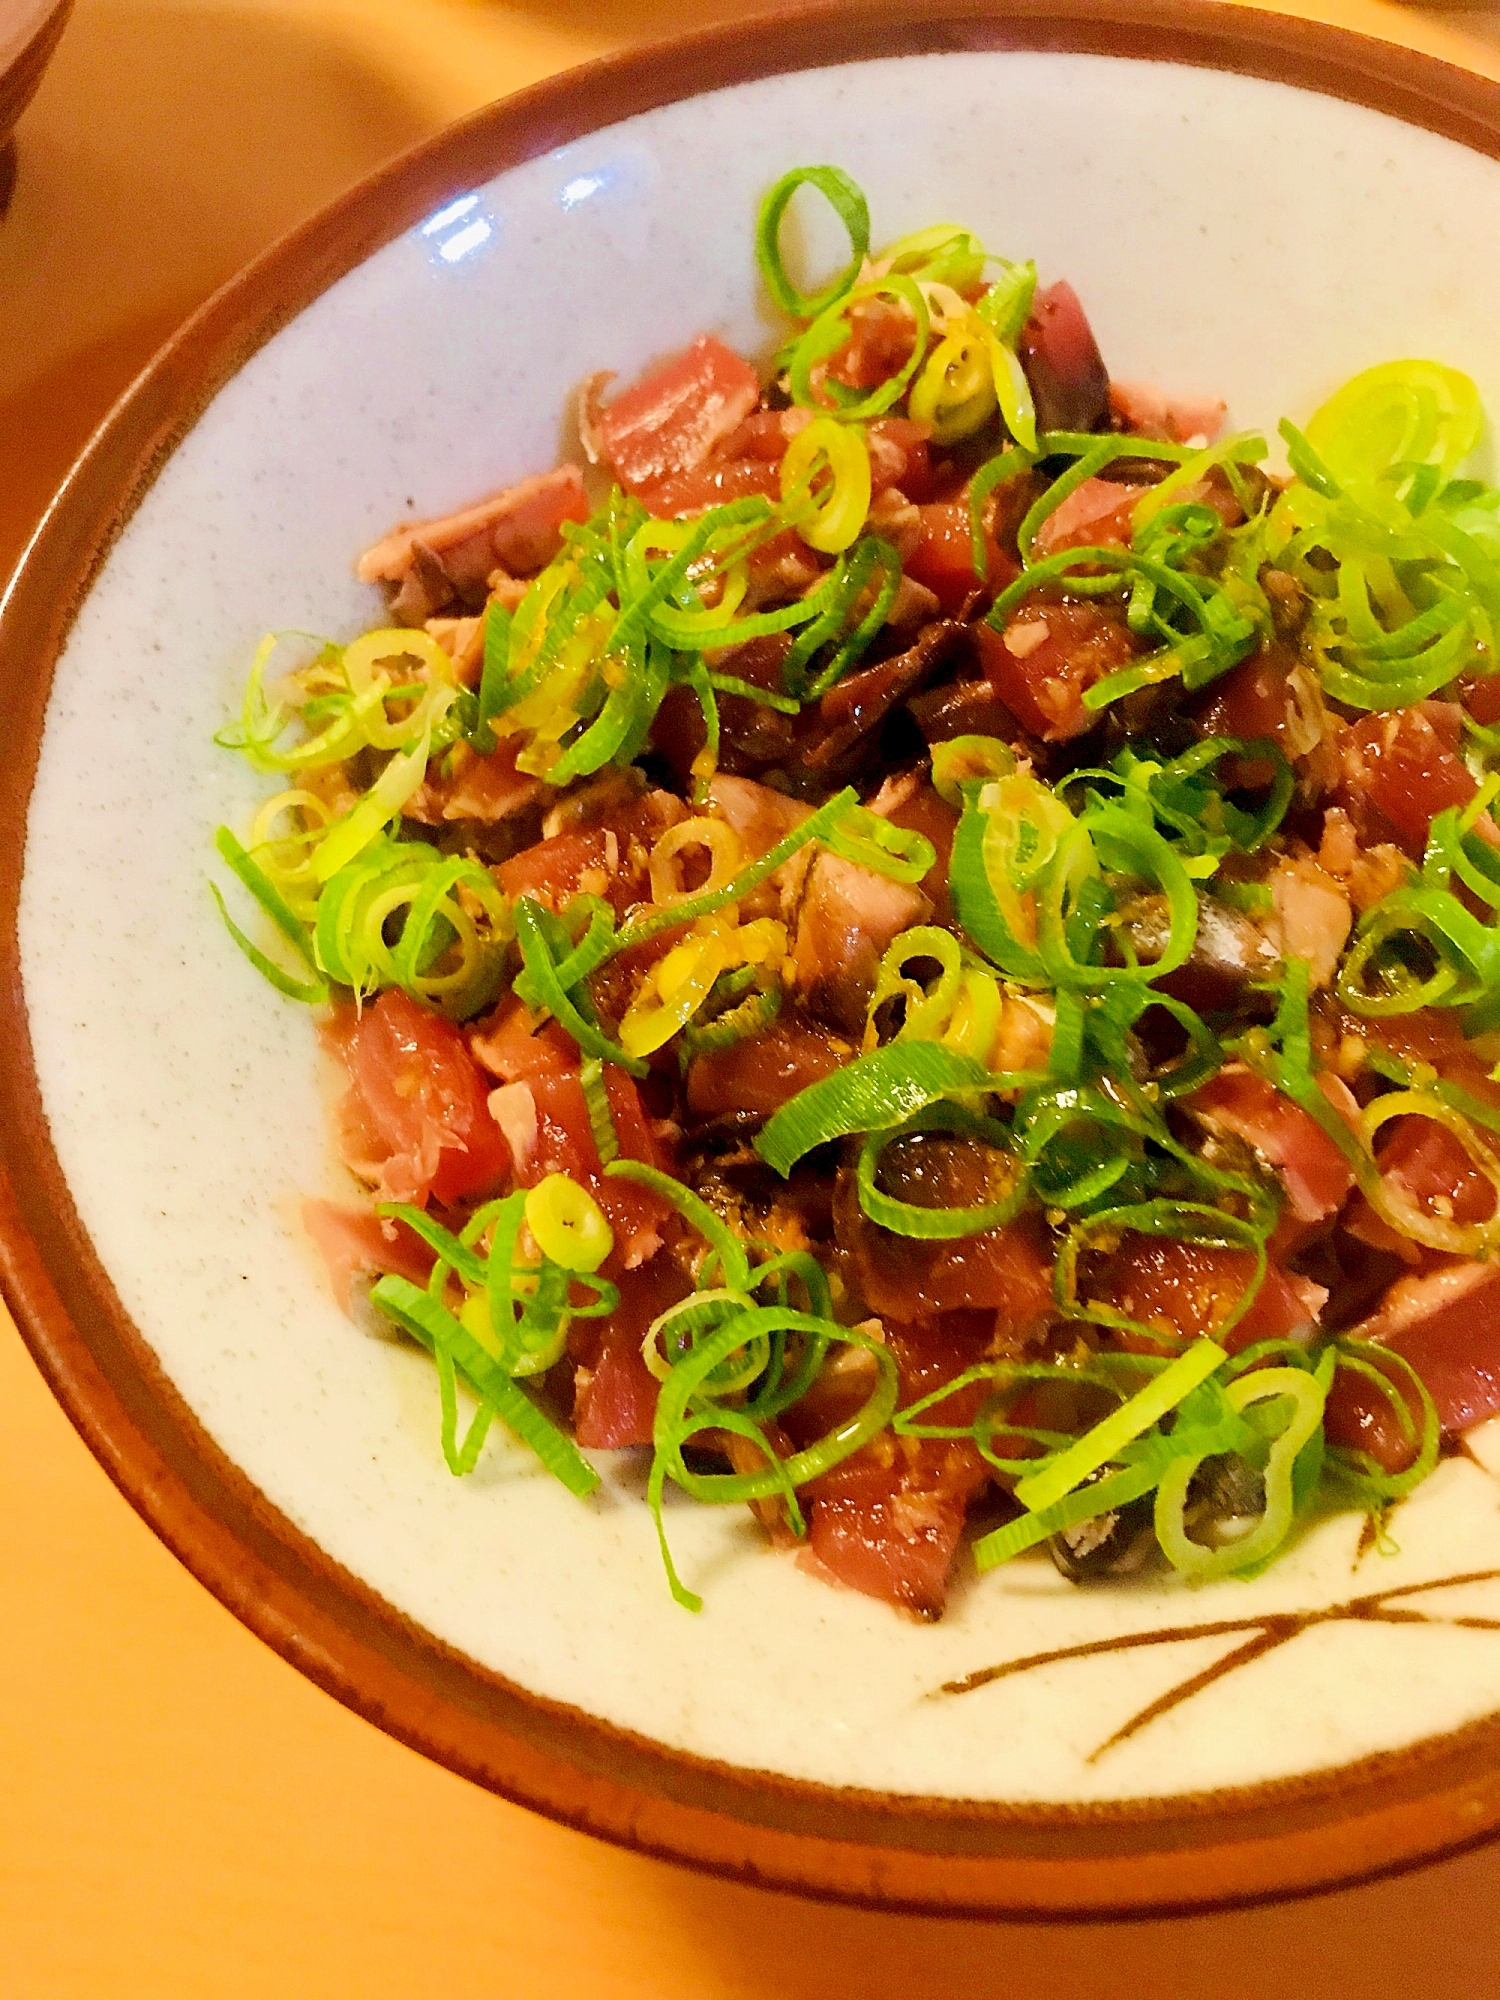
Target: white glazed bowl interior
1226	235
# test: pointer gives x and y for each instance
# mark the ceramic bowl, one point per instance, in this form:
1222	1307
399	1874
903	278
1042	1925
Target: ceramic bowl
1247	205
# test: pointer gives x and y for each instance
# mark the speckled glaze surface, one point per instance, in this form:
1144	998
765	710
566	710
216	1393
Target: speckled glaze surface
182	1094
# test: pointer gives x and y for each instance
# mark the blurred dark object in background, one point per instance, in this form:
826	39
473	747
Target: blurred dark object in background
29	30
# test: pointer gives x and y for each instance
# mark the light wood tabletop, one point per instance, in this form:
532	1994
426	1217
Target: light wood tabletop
181	1814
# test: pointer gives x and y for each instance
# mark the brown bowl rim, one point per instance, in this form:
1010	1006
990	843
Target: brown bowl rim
1330	1828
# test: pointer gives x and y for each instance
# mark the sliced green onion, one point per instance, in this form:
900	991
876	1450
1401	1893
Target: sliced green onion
739	1023
1006	306
1098	1446
954	392
1125	846
907	1218
679	1417
568	1224
1195	1559
497	625
964	760
877	843
817	826
1358	1469
1398	413
441	957
998	471
624	719
928	1008
868	554
1401	1210
433	1325
450	1249
1090	455
312	992
1183	1222
531	935
874	1093
847	201
942	254
747	691
1027	1530
373	813
1466	950
844	585
1239	448
827	517
596	1103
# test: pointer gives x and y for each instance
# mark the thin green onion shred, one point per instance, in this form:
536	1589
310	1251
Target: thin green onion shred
426	1321
1121	1427
847	202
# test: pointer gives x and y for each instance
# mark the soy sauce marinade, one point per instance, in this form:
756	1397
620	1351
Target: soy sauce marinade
921	943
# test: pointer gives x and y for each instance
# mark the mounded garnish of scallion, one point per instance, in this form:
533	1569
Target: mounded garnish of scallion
1106	1057
1400	558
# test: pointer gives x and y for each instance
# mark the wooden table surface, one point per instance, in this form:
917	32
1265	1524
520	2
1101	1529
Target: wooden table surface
180	1813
